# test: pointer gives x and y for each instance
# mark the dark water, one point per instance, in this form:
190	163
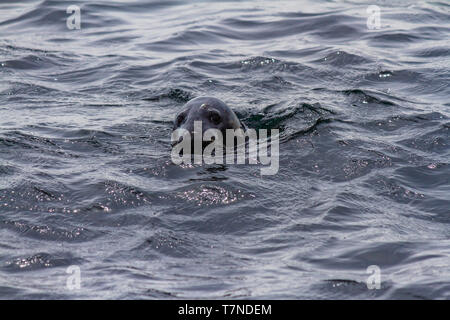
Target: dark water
86	177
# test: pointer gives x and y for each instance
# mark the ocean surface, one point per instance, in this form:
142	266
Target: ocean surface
87	182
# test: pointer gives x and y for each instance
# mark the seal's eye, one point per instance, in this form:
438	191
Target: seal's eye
215	118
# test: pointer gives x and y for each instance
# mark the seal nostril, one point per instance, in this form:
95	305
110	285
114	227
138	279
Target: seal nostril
180	119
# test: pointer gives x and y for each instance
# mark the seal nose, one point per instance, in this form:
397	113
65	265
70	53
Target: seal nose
187	132
175	142
183	130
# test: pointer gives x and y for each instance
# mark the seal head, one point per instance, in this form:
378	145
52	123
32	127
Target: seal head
212	112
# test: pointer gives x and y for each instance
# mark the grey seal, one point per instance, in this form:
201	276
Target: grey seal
213	113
